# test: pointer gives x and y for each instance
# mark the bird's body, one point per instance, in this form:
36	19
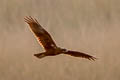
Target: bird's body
46	41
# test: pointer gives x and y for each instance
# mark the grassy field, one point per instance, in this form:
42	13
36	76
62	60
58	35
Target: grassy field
91	26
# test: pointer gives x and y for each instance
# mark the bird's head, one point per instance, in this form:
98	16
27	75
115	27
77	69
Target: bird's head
63	50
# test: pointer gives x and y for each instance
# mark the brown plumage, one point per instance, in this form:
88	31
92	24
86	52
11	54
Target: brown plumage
48	44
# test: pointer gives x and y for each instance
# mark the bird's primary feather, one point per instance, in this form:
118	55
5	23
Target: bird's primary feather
79	54
42	35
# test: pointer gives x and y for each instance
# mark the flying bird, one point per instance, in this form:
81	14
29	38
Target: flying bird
46	41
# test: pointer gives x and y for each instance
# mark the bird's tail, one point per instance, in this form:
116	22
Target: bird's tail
40	55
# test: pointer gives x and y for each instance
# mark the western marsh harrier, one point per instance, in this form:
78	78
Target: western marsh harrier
46	41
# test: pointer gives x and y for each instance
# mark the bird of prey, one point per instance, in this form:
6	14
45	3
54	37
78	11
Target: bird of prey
46	41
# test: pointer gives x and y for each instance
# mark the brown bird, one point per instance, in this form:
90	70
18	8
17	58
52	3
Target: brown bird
46	41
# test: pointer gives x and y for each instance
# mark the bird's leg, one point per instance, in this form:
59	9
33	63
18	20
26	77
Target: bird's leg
40	55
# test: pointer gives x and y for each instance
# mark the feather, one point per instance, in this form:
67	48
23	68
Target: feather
42	35
79	54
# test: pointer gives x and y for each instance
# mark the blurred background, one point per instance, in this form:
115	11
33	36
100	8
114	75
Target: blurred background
90	26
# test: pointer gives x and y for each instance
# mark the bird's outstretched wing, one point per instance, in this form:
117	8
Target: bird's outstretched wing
42	35
79	54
